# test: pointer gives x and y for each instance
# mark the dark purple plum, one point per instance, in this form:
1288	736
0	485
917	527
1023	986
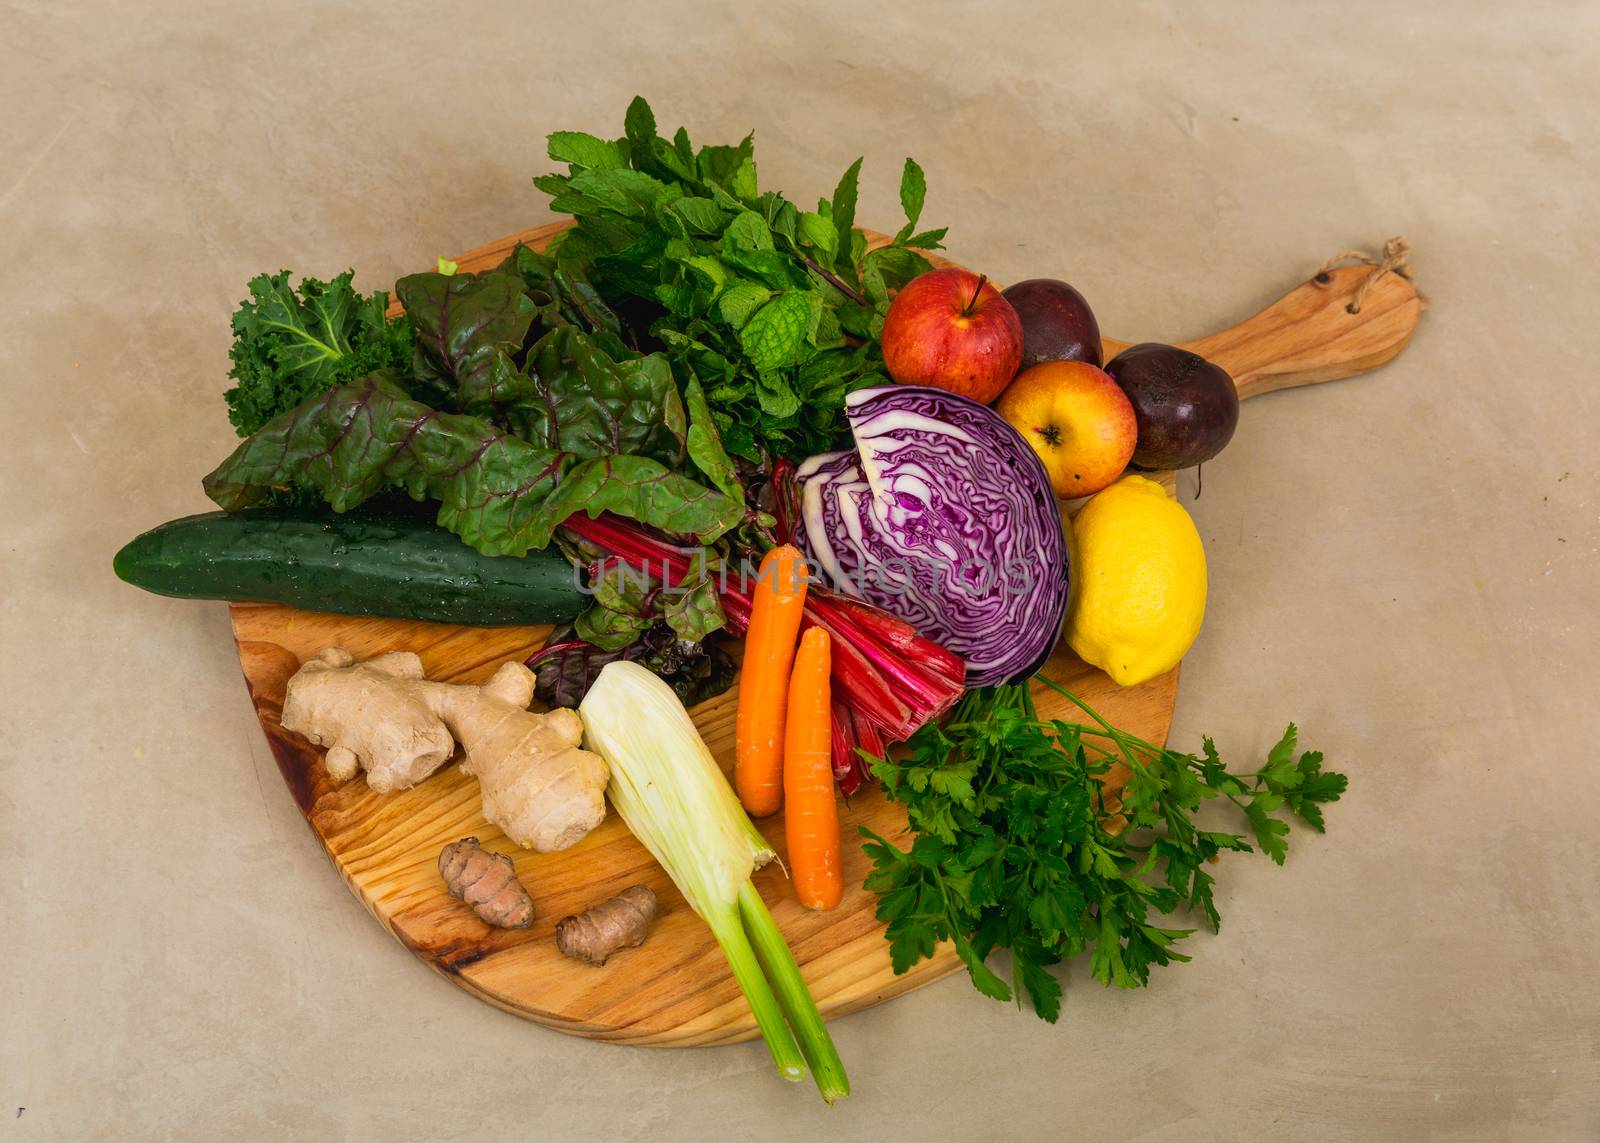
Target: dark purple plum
1057	324
1186	407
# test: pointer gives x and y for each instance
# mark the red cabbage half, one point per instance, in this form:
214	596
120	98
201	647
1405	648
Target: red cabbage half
944	517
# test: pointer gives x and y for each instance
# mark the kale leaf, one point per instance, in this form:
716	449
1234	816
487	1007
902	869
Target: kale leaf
289	346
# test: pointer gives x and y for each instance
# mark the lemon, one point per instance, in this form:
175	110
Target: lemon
1138	573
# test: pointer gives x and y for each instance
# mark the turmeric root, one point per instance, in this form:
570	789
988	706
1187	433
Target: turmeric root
620	923
385	716
487	882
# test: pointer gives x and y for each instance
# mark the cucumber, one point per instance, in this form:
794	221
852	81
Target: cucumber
379	565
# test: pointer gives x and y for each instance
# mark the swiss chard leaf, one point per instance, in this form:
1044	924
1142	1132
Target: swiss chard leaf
567	666
561	293
464	323
693	611
584	402
622	609
705	444
499	493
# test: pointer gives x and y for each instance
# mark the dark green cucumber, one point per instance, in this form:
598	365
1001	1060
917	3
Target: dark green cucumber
390	566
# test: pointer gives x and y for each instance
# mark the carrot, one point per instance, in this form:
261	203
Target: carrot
777	604
811	824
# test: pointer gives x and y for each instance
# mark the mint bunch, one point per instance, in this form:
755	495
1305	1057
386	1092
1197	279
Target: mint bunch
773	310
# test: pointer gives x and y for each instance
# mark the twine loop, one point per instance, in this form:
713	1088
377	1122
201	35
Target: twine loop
1396	259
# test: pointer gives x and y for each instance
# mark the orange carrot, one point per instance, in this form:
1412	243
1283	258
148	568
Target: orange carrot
811	822
776	606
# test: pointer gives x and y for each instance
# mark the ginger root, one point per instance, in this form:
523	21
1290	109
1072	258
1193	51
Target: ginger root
620	923
487	882
368	714
538	786
385	716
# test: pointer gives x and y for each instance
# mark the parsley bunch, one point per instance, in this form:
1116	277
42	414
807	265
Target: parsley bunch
774	309
1053	838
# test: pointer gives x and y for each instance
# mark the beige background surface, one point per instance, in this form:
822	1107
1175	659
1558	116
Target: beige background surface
1407	564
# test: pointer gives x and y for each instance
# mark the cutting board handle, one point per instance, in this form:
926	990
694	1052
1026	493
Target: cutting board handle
1311	335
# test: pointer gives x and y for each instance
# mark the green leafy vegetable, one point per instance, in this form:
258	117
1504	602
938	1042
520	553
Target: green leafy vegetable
288	346
564	296
498	492
581	401
1053	838
521	395
773	310
705	444
467	328
566	665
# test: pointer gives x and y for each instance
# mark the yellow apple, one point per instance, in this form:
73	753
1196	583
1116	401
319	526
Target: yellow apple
1079	421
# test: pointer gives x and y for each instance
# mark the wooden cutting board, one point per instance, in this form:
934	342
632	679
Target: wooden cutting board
676	990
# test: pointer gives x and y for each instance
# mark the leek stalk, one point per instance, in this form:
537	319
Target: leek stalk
668	789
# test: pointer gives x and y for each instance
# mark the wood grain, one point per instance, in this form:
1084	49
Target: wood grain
676	990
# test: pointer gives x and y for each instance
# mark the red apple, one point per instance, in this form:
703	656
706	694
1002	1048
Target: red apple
951	329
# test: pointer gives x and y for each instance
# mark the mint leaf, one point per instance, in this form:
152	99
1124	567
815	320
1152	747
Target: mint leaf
775	335
927	240
747	232
738	302
776	396
631	194
742	183
683	242
844	204
640	125
699	215
815	230
720	164
582	150
913	189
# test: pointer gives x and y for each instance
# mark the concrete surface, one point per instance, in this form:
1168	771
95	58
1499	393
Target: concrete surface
1406	563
